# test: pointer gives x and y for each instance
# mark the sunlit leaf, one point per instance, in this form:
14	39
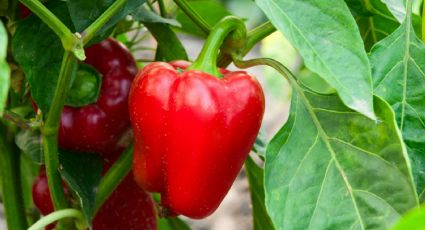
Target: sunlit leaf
330	167
398	67
329	41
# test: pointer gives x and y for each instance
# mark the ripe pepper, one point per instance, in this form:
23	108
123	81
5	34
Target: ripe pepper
97	127
128	207
194	126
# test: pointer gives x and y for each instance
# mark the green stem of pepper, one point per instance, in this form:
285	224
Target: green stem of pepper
194	16
90	31
230	28
114	176
50	131
254	36
11	184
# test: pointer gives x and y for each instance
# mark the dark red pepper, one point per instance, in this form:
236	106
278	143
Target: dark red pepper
25	12
97	127
192	131
128	207
41	195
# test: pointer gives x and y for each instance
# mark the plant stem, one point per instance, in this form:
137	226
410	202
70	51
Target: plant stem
257	34
114	176
254	36
194	16
230	28
58	215
67	38
162	9
90	31
11	184
50	131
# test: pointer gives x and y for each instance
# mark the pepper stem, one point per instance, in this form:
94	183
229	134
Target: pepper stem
232	32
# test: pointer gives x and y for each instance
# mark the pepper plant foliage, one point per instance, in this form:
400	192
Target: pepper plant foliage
348	158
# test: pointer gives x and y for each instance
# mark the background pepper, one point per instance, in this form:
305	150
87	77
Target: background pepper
97	127
118	212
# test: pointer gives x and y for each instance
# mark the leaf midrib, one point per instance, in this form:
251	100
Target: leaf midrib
405	70
325	140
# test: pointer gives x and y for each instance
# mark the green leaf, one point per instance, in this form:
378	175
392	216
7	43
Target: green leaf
30	143
169	45
398	67
374	20
330	167
82	173
84	12
39	52
314	82
86	87
144	15
4	69
211	11
255	176
329	41
413	220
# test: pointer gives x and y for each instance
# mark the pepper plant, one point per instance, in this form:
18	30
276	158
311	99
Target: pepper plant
74	99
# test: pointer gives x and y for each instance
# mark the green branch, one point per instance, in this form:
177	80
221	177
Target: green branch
90	31
162	9
11	184
58	215
114	176
254	36
50	131
194	16
423	22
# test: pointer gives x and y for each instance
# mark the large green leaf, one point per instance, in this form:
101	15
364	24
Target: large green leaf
255	176
144	15
82	172
398	67
84	12
169	46
39	52
329	41
4	69
330	167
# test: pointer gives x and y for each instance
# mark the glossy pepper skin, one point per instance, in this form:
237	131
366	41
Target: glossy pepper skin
128	207
97	127
192	133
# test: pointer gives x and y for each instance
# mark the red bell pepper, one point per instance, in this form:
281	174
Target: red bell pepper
193	129
97	127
